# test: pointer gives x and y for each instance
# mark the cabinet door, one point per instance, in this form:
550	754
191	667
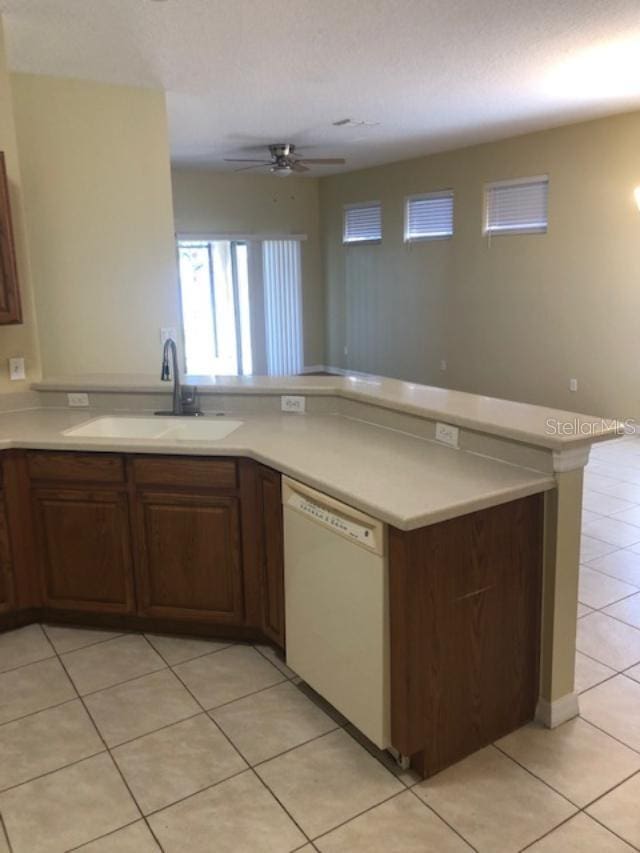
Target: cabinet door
271	553
189	557
6	573
85	549
10	309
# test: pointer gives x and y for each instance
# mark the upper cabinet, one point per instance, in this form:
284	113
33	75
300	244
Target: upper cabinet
10	308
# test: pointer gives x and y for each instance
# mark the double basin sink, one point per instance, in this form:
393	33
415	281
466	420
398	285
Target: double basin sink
156	428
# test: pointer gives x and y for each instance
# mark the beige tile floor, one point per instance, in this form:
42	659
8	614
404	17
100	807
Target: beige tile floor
128	743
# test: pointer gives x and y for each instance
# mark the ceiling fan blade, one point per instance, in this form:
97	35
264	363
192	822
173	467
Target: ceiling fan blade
331	161
298	167
255	166
245	160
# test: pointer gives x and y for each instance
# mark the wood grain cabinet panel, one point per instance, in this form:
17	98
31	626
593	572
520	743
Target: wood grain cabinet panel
85	549
271	553
10	306
189	556
7	599
68	467
198	472
465	602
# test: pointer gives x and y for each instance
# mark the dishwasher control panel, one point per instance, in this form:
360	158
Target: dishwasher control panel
351	528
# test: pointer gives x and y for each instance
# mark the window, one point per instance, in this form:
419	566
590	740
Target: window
241	306
517	207
429	216
362	223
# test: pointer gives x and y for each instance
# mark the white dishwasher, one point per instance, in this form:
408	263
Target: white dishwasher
337	605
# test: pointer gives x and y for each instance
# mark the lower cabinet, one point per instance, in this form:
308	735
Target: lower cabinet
84	549
189	556
175	539
6	573
271	553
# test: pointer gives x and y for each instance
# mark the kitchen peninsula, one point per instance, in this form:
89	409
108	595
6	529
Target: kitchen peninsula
479	500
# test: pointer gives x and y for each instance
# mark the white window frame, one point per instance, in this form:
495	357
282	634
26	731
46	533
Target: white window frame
360	205
420	238
512	182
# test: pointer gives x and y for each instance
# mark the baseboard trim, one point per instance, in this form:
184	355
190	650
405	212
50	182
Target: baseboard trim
553	714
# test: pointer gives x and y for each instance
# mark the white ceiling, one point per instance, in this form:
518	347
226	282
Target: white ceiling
433	74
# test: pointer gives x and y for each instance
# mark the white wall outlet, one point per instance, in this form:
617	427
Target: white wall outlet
289	403
448	434
167	332
443	364
573	385
16	369
78	400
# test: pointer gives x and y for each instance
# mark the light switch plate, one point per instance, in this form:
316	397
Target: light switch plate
289	403
16	369
448	434
78	400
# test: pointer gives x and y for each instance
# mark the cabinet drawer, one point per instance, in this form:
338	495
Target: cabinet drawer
201	472
76	467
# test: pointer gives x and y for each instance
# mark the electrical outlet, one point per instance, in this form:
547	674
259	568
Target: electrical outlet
573	385
448	434
78	400
167	332
443	364
16	369
292	404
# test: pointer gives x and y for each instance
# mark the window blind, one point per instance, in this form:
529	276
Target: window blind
362	223
429	216
283	306
517	207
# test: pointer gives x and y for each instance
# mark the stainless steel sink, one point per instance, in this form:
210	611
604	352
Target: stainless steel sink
169	428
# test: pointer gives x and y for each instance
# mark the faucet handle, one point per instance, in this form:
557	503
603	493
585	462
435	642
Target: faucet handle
189	396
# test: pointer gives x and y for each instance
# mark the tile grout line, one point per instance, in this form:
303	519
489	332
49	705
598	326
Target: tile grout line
431	808
100	837
233	746
4	833
113	761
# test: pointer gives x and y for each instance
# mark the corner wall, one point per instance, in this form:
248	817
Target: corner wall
97	198
19	340
516	318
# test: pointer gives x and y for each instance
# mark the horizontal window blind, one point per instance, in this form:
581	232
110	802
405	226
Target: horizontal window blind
517	207
429	216
362	223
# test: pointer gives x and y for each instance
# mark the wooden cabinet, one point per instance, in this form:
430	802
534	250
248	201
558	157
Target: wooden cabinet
271	553
84	549
465	603
189	556
10	307
7	599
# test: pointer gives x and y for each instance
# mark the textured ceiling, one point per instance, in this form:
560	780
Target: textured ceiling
429	74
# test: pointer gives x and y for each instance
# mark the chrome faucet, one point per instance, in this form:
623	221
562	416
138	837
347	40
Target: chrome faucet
185	399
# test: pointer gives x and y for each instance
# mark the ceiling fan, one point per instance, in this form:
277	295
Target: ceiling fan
283	162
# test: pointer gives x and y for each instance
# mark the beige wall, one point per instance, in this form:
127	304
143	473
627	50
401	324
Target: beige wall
519	317
20	340
207	201
97	197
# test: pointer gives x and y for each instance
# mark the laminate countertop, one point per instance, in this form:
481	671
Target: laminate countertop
539	426
406	481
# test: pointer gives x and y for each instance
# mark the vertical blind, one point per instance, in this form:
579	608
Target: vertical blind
514	207
429	216
282	306
362	223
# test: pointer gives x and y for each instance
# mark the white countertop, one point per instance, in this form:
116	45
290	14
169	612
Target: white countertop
517	421
406	481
